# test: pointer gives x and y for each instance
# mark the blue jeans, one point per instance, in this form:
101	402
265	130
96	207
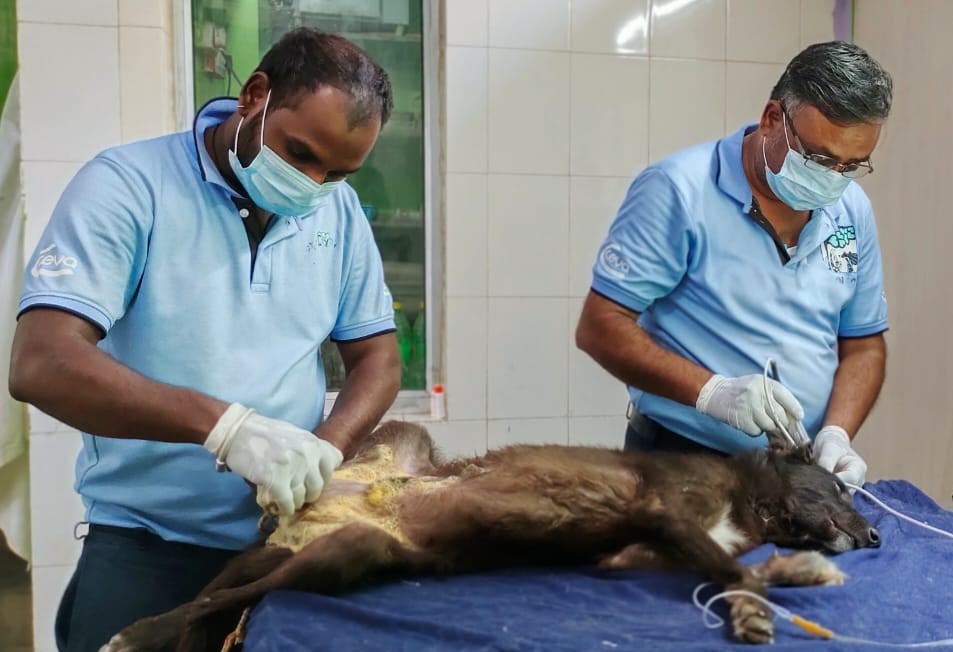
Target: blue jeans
126	574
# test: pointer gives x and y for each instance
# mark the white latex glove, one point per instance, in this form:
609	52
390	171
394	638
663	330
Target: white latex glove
741	402
832	451
288	464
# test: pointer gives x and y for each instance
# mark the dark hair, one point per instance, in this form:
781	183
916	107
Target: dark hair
840	80
306	58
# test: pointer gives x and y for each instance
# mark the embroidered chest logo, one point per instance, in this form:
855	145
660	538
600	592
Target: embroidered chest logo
840	250
321	240
51	263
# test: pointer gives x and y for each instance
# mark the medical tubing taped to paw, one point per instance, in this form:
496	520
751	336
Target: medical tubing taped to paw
712	620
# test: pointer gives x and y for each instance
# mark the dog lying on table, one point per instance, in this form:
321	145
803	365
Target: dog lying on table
397	509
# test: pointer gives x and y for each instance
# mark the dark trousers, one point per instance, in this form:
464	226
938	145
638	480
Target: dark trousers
643	434
126	574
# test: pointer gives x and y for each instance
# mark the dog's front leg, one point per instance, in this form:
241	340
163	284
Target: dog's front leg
804	568
687	544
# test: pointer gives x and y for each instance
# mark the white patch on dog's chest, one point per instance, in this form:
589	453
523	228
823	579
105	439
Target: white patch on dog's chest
728	537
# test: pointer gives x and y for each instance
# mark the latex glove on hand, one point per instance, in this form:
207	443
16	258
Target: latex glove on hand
288	464
832	451
741	402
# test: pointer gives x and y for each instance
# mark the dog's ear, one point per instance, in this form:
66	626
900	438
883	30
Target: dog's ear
776	447
803	453
798	454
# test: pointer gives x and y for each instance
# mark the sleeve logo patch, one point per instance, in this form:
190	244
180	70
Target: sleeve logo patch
50	263
611	261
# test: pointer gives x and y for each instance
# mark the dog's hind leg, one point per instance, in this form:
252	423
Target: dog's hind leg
414	450
332	563
241	570
248	567
157	632
637	556
346	558
338	561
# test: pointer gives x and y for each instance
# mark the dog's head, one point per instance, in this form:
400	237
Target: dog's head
811	507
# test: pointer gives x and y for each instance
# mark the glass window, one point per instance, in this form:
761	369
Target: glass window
8	47
229	37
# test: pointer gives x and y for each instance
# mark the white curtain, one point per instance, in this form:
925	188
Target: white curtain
14	462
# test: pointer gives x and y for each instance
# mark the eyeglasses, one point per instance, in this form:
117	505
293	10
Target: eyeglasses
822	162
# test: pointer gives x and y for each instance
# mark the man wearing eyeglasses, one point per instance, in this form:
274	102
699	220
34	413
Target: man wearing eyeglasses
754	247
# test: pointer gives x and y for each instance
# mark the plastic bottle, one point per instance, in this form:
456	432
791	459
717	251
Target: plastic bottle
404	339
418	336
438	405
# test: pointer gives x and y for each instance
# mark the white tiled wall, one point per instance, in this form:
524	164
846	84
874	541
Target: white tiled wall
54	510
551	107
73	106
910	432
528	111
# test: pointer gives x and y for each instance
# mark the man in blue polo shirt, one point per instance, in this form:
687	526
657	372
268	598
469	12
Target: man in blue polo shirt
753	247
174	311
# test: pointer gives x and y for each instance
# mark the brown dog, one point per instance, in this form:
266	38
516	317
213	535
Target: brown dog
396	509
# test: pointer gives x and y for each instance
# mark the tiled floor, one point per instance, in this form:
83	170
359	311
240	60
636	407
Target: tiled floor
16	613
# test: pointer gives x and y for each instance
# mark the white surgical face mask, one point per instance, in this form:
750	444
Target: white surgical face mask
799	186
274	184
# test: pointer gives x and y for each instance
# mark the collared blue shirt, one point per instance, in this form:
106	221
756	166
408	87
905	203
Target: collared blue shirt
710	285
147	242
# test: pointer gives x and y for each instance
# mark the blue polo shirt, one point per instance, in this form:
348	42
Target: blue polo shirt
711	286
147	242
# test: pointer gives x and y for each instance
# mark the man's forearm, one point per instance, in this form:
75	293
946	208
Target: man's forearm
370	387
611	336
58	368
857	383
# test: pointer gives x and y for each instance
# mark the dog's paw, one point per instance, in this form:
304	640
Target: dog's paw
801	569
634	556
121	642
751	620
145	635
815	568
117	644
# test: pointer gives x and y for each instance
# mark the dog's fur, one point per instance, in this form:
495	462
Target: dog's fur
396	508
